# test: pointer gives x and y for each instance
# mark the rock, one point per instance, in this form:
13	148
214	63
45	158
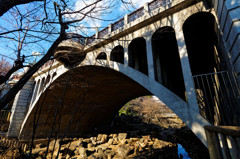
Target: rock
104	138
63	153
109	153
49	156
122	136
123	150
56	152
73	145
110	141
54	144
82	152
38	146
12	153
87	140
102	146
122	141
39	150
99	154
94	140
90	147
114	136
4	127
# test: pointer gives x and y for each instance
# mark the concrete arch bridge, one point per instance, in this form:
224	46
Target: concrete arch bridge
172	49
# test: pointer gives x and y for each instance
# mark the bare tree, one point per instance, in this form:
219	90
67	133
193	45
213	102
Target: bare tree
45	23
5	66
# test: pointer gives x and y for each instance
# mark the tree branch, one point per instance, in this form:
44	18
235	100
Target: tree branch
5	5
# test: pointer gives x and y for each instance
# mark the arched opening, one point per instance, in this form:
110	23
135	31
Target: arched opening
201	41
211	84
137	55
48	79
117	54
167	65
35	90
54	74
42	85
101	56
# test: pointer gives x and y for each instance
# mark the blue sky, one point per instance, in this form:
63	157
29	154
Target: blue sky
87	27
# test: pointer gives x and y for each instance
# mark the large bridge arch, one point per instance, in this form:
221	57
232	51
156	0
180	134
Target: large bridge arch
121	84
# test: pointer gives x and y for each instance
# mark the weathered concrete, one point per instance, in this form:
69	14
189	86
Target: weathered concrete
19	108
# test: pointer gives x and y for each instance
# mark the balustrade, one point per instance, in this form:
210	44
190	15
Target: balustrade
118	24
103	32
136	14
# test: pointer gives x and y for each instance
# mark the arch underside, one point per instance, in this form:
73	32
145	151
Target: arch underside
94	93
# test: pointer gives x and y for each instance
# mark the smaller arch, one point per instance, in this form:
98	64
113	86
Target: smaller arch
54	74
42	85
201	39
167	64
117	54
101	56
48	79
35	90
137	55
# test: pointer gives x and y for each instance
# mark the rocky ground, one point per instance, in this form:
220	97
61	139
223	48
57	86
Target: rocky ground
4	124
144	128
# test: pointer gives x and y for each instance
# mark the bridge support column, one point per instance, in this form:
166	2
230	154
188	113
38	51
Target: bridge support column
150	58
193	118
187	75
19	108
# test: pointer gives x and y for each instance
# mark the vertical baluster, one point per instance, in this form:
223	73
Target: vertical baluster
213	145
206	97
235	148
231	111
236	84
231	85
198	86
221	99
226	152
210	88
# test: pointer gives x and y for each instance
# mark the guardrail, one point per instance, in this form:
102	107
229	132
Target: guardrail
223	141
218	97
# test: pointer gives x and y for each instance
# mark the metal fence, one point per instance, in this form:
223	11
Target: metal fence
218	97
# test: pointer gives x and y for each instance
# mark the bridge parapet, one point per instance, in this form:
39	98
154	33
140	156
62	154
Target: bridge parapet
136	17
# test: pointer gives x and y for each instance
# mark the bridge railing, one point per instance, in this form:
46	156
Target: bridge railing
218	97
135	15
130	18
118	24
223	141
